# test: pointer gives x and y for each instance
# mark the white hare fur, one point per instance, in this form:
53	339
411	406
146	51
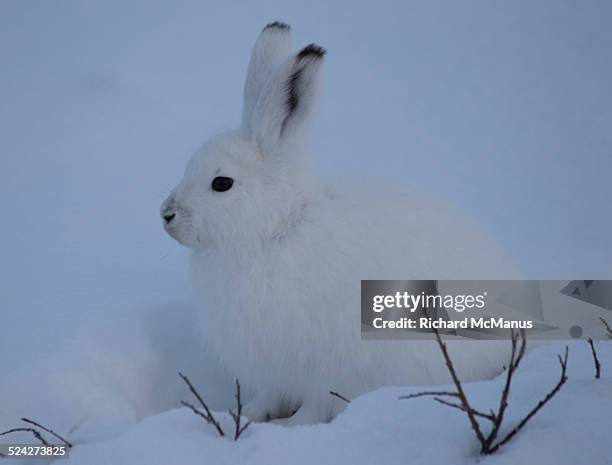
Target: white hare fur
278	258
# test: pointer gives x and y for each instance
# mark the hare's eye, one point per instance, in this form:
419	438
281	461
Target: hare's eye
222	184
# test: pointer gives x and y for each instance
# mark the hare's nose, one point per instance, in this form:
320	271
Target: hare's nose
168	217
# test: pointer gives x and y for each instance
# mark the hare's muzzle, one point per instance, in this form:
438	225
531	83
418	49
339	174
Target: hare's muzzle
168	211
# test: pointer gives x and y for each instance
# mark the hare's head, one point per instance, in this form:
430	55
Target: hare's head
251	183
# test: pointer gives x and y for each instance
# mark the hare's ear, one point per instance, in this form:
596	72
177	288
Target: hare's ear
288	100
272	48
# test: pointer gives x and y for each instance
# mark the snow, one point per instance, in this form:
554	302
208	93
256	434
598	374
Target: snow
379	428
101	105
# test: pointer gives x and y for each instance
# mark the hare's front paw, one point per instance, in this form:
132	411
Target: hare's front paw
268	406
318	409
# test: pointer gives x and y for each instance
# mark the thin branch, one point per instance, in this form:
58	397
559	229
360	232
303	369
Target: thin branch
607	326
208	416
50	431
488	444
195	410
595	359
488	416
194	392
515	359
35	432
238	430
340	396
430	393
460	393
550	395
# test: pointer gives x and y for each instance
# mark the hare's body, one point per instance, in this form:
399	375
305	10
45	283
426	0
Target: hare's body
278	259
285	318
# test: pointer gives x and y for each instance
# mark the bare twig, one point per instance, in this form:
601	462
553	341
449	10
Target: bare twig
208	416
489	416
607	326
340	396
50	431
194	409
35	432
550	395
595	359
430	393
460	393
436	394
515	359
238	430
489	443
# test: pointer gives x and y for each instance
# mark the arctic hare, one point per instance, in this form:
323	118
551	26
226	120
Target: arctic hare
278	256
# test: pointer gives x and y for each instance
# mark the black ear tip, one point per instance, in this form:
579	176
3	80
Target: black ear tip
278	25
312	50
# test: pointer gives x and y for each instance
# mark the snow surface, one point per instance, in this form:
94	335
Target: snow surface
379	428
101	105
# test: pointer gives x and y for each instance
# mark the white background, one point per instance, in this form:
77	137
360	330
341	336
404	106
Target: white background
503	108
